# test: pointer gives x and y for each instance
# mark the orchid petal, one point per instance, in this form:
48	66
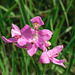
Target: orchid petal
10	40
15	27
32	48
55	50
24	46
39	42
42	44
37	20
59	62
43	47
44	58
22	41
27	31
45	34
15	33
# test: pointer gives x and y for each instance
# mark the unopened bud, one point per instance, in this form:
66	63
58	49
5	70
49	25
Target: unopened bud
49	42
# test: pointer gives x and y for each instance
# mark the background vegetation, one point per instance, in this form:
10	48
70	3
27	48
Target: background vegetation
58	16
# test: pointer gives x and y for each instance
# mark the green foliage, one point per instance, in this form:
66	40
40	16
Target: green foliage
58	16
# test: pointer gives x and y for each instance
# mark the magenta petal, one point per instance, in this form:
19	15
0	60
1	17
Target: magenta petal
59	62
39	42
21	46
27	31
15	27
44	58
10	40
37	20
32	48
55	50
45	34
42	46
22	41
15	33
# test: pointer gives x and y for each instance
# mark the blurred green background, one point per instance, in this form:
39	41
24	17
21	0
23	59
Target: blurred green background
58	16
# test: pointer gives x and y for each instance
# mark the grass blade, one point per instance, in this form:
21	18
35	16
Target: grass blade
23	11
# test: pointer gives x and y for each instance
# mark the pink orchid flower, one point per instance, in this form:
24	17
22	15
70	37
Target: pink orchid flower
16	37
50	55
37	22
35	38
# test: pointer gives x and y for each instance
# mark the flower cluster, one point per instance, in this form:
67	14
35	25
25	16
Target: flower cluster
33	38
